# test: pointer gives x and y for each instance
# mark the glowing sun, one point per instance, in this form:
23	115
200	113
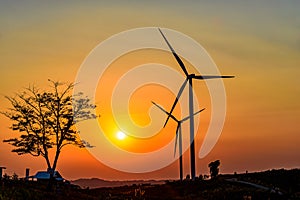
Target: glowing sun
121	135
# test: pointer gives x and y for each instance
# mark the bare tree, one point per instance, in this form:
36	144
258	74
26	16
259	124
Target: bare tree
45	120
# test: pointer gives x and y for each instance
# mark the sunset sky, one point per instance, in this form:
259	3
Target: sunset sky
257	41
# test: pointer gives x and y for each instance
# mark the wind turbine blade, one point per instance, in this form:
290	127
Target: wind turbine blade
175	55
178	126
212	77
186	118
176	100
169	114
160	108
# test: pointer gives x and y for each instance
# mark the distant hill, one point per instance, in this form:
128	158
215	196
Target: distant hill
99	183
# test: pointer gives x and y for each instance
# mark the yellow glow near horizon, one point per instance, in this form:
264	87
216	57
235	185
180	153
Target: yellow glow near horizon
121	135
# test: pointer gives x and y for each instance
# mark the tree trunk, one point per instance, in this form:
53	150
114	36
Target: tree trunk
51	171
47	161
55	160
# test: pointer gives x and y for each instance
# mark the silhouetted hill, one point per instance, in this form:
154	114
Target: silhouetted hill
276	178
99	183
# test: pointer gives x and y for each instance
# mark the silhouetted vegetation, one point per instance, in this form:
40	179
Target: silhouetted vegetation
214	168
286	181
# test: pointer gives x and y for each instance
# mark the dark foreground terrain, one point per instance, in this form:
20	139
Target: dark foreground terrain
272	184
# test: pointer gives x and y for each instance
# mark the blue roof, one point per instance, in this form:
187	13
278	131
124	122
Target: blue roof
43	175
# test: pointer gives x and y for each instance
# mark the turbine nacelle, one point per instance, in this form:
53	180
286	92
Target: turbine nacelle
191	76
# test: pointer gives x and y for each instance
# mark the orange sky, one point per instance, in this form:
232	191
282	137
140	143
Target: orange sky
257	42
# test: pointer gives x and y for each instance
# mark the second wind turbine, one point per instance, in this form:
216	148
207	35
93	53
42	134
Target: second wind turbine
178	136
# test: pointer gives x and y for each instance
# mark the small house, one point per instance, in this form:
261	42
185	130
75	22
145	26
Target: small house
44	175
